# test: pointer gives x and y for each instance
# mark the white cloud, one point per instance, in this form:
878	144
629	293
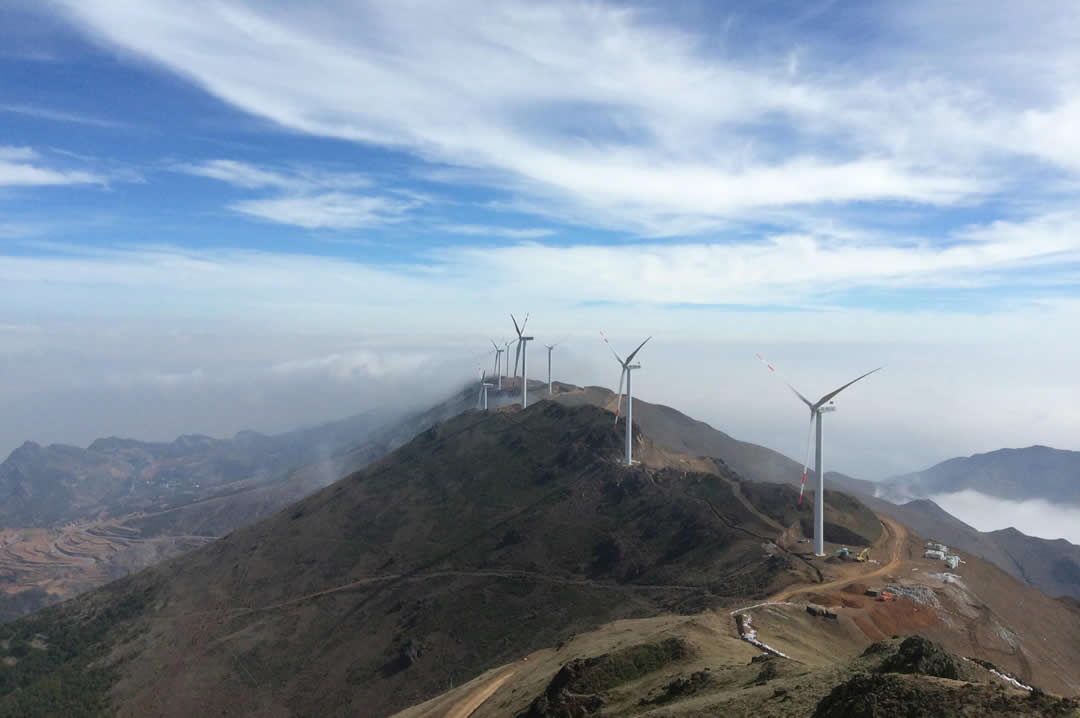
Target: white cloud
668	134
21	167
238	174
1035	517
480	230
332	210
785	269
347	366
248	176
9	153
46	113
154	377
308	198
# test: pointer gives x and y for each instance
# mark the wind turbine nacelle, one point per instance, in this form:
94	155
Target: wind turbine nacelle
831	406
633	366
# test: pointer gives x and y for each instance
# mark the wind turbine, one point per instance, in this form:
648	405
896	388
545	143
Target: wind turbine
549	348
522	353
818	409
498	357
627	367
481	398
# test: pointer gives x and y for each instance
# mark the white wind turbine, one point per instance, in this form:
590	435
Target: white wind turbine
481	398
627	368
522	353
498	358
817	411
549	348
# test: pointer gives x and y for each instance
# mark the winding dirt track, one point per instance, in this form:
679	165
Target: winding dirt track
468	705
897	536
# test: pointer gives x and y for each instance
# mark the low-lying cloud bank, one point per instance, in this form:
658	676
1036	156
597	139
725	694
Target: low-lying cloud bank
1035	517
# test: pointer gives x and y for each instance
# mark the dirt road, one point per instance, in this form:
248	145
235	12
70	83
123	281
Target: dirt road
475	698
897	538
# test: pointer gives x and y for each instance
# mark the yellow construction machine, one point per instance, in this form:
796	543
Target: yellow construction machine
863	555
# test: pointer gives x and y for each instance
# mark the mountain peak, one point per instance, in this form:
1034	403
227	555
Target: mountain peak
113	443
28	450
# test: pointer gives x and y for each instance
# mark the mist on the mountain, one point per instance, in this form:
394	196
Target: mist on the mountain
930	403
1035	517
155	387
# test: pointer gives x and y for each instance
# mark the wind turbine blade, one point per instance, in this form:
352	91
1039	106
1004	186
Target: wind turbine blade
523	323
617	357
831	394
772	370
517	357
634	353
495	345
516	328
618	402
806	464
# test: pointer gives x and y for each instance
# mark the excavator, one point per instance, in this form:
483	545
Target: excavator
863	555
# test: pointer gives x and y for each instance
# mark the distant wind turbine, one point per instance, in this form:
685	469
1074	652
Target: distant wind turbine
627	367
498	357
482	398
522	353
817	411
549	348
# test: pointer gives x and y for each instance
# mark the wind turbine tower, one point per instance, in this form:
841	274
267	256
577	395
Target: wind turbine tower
482	398
549	348
498	357
818	409
627	368
523	353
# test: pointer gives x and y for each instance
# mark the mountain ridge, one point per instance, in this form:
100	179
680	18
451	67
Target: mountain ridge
1015	474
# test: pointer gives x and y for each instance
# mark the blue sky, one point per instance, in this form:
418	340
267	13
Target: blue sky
394	175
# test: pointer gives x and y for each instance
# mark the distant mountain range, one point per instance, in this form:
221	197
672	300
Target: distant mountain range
1037	472
47	485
